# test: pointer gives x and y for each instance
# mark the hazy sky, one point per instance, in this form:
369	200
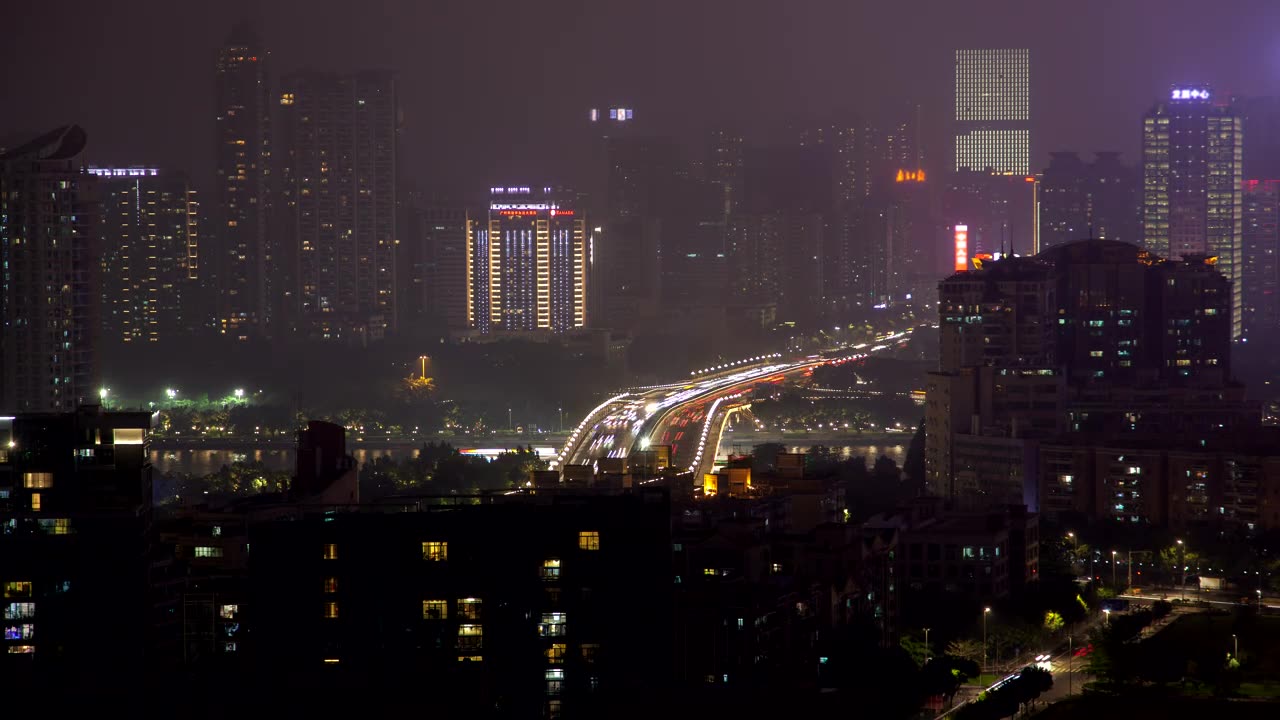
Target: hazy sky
496	89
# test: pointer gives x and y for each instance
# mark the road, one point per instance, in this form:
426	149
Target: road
689	415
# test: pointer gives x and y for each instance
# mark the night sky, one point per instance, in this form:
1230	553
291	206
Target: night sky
499	90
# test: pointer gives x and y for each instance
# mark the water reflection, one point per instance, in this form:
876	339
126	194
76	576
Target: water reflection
204	462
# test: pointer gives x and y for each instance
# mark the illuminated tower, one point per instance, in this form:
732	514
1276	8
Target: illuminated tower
1192	175
243	258
993	110
529	265
150	254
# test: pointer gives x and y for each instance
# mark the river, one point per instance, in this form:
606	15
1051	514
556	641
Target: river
206	461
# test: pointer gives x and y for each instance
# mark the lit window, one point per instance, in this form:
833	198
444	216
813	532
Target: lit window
552	625
35	501
37	480
551	569
469	608
589	652
216	531
331	610
330	551
553	709
22	649
228	612
19	611
56	526
24	631
17	588
555	653
127	436
331	584
708	571
208	551
435	609
229	647
968	552
589	540
435	551
555	681
1095	353
470	637
470	658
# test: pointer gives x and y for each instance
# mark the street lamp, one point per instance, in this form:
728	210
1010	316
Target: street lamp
170	393
985	613
239	393
1183	564
423	359
1113	568
102	395
1107	613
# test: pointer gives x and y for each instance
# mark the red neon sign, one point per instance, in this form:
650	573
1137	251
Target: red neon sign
962	248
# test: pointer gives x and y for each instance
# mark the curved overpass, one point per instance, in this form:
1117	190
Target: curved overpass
689	416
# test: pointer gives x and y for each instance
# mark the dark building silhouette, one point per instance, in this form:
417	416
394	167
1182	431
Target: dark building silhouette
1260	276
75	513
537	605
1096	199
50	240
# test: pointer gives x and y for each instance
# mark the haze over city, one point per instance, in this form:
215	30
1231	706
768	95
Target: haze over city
892	360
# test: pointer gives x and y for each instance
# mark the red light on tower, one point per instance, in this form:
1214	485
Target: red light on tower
962	248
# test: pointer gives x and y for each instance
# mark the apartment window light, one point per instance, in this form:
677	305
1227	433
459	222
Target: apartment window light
37	480
556	653
330	551
331	584
551	569
469	608
19	611
470	637
17	589
435	609
208	551
331	610
552	625
435	551
228	612
589	652
589	540
22	649
35	501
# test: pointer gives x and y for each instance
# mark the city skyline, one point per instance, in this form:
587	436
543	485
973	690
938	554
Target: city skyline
1082	109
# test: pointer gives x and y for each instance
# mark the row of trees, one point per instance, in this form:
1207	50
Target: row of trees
438	468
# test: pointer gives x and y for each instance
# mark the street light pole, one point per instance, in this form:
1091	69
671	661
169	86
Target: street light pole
1182	562
985	613
926	646
1113	569
1075	550
1071	652
1235	652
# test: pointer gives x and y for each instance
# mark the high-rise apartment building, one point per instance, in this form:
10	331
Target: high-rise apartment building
49	237
243	262
529	263
337	176
1192	170
724	163
1260	275
1095	199
446	268
993	110
150	254
776	259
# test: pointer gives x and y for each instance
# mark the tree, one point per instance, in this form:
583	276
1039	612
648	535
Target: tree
966	649
1053	621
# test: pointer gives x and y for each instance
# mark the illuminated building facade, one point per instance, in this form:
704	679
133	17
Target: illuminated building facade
1192	177
150	254
528	266
244	261
337	177
993	110
49	236
1261	272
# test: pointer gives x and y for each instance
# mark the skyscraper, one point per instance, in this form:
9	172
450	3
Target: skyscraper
993	110
1096	199
1261	272
446	268
243	260
529	265
1191	174
150	254
49	237
337	160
